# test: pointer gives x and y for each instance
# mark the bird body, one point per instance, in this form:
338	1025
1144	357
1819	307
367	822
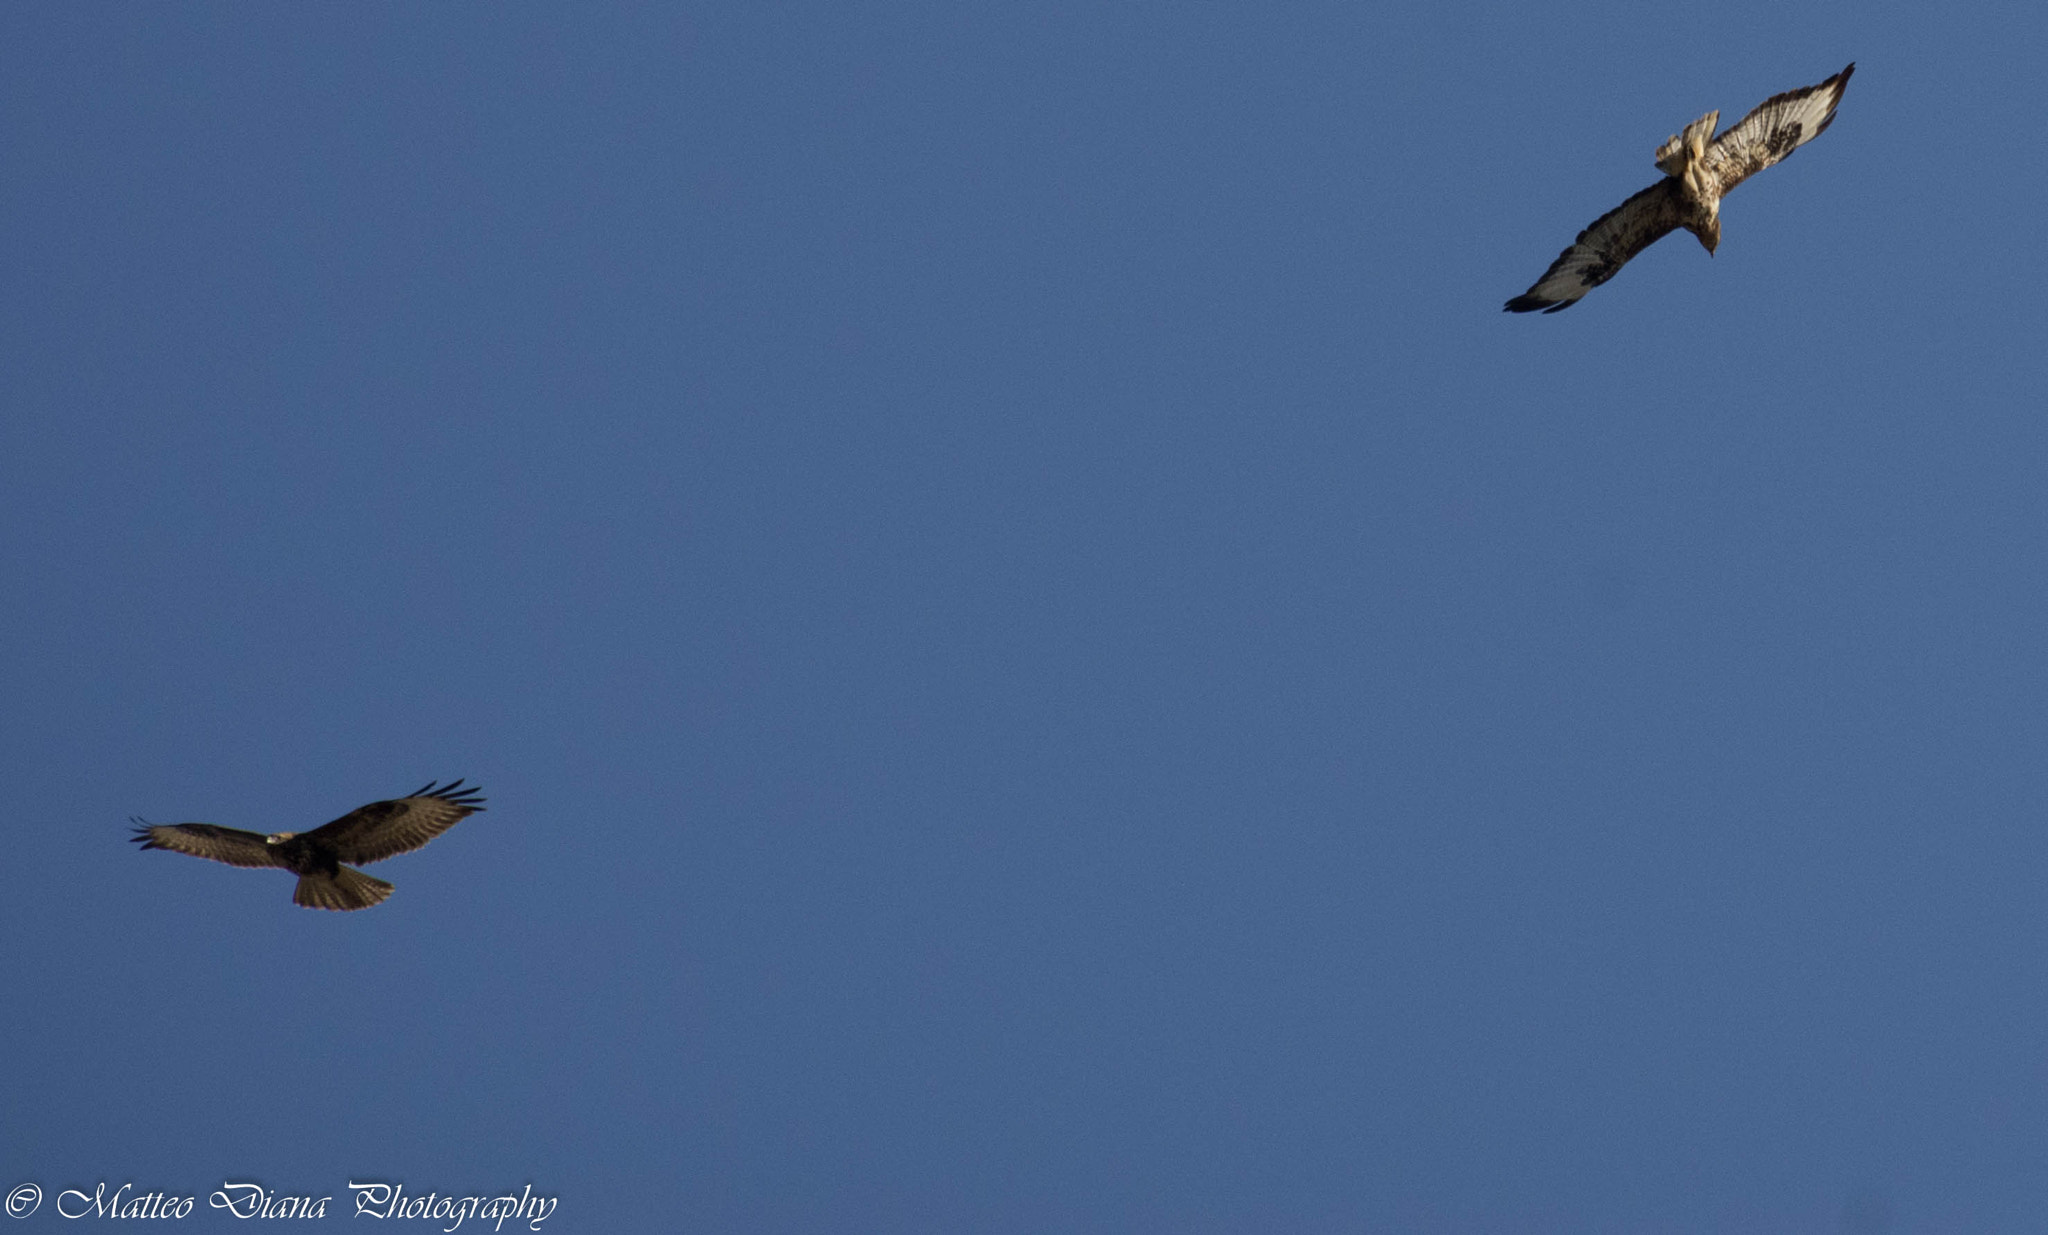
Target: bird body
1699	169
367	834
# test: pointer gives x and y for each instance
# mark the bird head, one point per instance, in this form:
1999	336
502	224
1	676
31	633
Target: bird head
278	838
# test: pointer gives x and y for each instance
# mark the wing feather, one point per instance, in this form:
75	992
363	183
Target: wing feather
1605	247
205	840
382	829
1774	129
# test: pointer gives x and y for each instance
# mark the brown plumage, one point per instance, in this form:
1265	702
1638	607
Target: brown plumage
367	834
1698	173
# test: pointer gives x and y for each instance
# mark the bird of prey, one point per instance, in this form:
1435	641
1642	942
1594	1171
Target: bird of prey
367	834
1697	174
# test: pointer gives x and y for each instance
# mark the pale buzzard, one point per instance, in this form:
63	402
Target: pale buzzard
1697	174
367	834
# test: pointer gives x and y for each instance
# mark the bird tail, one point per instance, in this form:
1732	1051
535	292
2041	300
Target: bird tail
346	888
1681	150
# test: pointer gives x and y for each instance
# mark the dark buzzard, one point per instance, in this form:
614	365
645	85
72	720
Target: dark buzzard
366	834
1697	173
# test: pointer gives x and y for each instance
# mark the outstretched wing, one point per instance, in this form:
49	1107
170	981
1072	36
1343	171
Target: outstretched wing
1605	247
1778	126
205	840
381	829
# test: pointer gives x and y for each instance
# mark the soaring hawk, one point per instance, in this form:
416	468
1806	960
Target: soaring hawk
1697	173
367	834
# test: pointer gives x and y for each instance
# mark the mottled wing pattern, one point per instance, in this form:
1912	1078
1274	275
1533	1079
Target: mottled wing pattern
1778	126
382	829
1605	247
205	840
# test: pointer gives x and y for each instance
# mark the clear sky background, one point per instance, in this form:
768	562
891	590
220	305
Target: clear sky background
1044	656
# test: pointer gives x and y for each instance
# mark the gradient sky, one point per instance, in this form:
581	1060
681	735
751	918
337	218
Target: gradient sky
1043	655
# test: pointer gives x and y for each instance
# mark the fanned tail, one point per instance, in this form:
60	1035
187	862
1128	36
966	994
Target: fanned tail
345	889
1682	149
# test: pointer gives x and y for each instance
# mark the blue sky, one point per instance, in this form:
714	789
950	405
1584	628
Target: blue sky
1043	655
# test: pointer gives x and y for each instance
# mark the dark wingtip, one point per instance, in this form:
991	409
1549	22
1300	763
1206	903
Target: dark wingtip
452	792
1524	304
